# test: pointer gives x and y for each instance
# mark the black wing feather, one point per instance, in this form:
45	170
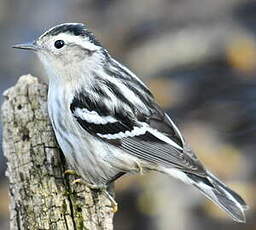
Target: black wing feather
147	146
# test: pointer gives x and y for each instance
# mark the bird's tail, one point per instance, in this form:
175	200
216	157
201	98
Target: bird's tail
221	195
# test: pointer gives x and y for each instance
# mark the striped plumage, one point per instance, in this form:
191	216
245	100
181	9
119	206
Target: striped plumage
107	122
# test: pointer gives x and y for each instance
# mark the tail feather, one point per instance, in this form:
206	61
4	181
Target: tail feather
234	194
221	195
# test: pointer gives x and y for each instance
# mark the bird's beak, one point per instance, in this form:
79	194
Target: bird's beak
27	46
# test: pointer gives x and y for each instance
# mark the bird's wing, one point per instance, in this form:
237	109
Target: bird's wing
153	138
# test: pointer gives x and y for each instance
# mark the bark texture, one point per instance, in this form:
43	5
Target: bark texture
42	197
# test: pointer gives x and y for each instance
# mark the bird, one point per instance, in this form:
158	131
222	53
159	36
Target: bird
108	123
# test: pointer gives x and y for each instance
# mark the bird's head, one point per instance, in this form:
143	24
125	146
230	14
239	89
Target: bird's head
66	47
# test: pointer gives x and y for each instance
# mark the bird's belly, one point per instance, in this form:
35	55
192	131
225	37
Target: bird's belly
96	161
88	156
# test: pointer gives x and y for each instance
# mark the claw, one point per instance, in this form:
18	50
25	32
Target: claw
140	169
77	181
114	204
115	208
102	188
70	172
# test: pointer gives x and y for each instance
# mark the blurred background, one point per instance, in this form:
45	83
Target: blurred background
199	59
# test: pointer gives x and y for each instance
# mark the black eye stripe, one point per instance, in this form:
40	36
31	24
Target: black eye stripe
59	44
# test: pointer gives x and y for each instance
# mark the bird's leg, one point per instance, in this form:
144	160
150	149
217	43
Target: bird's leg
102	188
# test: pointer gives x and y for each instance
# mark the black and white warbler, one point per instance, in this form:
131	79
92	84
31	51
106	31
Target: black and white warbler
107	122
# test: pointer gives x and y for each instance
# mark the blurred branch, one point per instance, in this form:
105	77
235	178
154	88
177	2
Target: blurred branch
41	196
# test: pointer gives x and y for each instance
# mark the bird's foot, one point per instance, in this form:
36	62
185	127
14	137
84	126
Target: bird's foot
70	172
139	168
114	204
100	187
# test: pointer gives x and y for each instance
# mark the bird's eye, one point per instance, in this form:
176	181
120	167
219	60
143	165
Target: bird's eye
59	44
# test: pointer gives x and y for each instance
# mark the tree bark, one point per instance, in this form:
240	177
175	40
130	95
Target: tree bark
42	197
